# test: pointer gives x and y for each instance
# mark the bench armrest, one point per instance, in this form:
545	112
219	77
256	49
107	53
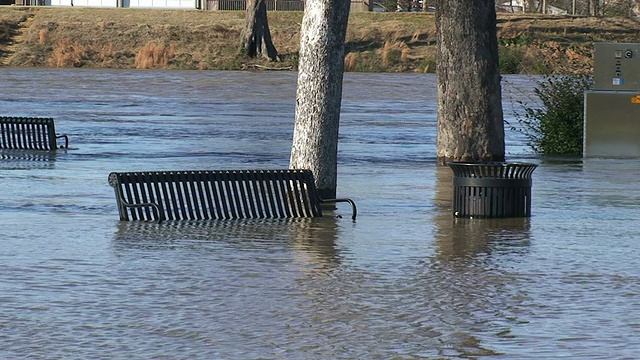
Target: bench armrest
353	205
66	140
157	208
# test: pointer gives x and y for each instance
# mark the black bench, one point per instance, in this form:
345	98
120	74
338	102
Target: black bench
29	133
218	194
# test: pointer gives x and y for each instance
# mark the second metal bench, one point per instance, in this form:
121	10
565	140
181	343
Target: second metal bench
218	194
29	133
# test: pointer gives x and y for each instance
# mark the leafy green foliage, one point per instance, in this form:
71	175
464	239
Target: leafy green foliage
388	5
514	60
556	127
510	60
6	31
519	40
621	8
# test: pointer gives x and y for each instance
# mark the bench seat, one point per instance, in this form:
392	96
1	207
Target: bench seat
29	133
218	194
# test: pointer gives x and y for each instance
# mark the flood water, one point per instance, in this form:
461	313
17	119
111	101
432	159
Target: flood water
403	281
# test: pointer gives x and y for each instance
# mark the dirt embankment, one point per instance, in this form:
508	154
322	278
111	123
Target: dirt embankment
206	40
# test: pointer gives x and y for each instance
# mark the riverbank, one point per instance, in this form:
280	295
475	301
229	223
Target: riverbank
209	40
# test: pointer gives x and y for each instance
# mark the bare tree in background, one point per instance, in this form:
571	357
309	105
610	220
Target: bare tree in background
530	6
470	118
595	7
319	92
256	40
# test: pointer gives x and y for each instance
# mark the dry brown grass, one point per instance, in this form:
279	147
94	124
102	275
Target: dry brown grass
192	39
106	52
42	36
350	61
394	52
154	55
68	53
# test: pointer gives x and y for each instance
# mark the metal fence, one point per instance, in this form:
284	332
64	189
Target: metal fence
573	7
26	2
278	5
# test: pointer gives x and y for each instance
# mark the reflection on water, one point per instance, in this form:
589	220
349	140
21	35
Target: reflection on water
404	281
26	159
459	238
469	238
472	290
311	235
311	240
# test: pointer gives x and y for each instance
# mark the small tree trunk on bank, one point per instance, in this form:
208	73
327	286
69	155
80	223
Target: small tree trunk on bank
319	92
256	40
470	118
530	6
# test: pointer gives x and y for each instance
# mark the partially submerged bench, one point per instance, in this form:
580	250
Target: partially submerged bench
29	133
218	194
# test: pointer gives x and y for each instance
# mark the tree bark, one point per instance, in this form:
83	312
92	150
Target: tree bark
470	118
257	41
319	92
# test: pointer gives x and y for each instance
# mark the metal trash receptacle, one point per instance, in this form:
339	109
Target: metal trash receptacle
491	189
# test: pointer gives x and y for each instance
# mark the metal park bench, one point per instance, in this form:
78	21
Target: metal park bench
218	194
29	133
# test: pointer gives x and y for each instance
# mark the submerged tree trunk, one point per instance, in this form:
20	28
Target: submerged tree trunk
319	92
470	118
257	37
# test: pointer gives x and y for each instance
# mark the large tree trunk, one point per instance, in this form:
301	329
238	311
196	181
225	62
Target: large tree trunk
319	93
257	37
470	119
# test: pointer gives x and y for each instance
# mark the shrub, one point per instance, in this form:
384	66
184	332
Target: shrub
510	60
154	55
6	31
622	9
556	127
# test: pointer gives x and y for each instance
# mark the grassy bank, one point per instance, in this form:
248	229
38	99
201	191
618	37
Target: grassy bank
192	39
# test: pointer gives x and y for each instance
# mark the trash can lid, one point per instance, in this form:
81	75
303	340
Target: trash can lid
493	169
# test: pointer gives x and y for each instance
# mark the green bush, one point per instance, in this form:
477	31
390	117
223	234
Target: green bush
514	60
621	9
556	127
510	59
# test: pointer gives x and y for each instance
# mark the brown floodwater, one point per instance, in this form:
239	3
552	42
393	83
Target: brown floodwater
404	281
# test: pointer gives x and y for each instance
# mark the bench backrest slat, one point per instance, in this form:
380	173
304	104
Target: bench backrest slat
215	194
183	195
214	199
266	195
280	195
258	191
229	195
134	197
146	195
244	194
201	208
